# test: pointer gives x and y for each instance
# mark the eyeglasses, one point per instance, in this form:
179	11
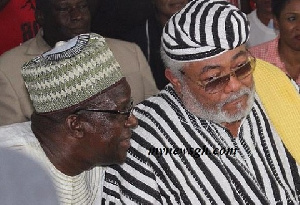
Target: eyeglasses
126	112
219	83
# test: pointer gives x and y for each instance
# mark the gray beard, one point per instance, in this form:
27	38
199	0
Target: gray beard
217	115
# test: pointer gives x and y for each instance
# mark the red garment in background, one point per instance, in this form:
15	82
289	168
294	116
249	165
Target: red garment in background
235	2
17	23
252	4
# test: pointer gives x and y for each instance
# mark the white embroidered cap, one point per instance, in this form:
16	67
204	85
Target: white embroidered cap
70	73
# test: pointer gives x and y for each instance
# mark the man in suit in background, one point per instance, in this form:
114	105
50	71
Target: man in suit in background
60	21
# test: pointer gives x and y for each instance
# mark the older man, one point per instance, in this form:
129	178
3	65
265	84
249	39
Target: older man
62	20
82	120
208	137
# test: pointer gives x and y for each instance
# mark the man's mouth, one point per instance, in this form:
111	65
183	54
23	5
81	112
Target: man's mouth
297	37
79	30
237	100
125	143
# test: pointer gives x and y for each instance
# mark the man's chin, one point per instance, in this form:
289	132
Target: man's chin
221	115
229	118
233	109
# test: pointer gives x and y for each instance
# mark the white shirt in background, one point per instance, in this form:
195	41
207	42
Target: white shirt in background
259	32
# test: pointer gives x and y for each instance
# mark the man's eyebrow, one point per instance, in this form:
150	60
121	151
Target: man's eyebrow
239	54
210	67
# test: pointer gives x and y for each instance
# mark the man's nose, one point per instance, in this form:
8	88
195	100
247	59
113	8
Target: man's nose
131	122
75	13
233	85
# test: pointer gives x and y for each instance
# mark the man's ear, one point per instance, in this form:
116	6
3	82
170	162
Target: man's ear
74	126
173	80
39	17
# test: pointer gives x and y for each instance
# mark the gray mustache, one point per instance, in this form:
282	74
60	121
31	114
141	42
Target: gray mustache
237	95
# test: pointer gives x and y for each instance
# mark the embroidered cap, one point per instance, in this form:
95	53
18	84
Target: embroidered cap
70	73
204	29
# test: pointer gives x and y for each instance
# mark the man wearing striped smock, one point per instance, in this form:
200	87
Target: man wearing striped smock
210	136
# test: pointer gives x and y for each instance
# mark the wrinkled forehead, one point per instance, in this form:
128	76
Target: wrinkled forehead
114	96
228	58
120	93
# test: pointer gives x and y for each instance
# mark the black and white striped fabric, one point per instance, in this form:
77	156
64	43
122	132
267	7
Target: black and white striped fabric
163	166
204	29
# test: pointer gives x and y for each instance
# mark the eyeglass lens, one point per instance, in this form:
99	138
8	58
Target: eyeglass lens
218	84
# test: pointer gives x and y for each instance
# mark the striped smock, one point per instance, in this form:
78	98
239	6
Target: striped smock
178	158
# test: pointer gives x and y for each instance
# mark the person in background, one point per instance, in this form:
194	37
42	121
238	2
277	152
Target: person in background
62	20
82	120
235	3
261	23
148	35
23	181
247	6
219	133
244	5
17	23
113	18
284	51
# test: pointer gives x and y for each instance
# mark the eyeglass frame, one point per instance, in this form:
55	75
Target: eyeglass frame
127	112
251	61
